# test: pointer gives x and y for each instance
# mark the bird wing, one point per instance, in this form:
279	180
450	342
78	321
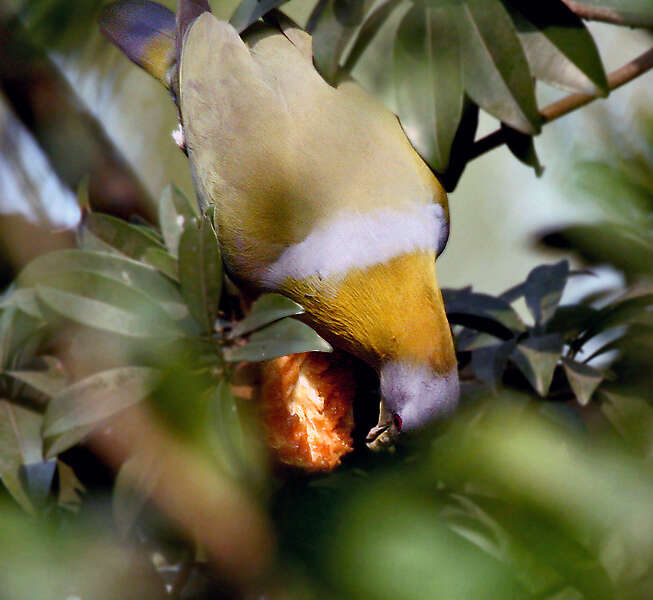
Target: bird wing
281	152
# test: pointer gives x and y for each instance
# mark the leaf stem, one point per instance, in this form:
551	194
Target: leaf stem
631	70
597	13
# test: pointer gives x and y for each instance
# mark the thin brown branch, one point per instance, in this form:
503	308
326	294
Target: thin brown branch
599	13
631	70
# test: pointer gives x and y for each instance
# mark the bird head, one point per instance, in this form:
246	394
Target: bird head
412	396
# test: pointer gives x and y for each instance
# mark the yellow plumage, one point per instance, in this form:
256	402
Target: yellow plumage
320	196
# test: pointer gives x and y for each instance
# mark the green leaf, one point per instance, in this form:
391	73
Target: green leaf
98	397
243	455
20	444
463	143
543	290
632	417
616	314
250	11
16	330
582	378
635	13
489	363
537	358
58	444
100	302
558	46
625	247
267	309
496	72
200	273
332	25
162	261
569	321
143	278
70	488
482	312
83	200
23	300
370	27
428	80
49	381
128	239
282	338
175	212
91	242
135	482
522	148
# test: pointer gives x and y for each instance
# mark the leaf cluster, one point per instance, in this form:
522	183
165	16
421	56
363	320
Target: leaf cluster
452	57
146	299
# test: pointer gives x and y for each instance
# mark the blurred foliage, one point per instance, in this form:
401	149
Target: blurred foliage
539	488
132	460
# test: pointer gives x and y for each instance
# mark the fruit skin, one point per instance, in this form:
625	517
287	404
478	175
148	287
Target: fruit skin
319	196
306	405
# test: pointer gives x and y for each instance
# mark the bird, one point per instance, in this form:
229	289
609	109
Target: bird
318	194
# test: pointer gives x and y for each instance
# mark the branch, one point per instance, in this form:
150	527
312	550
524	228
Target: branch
597	13
631	70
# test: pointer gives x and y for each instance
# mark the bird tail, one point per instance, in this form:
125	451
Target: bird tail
150	34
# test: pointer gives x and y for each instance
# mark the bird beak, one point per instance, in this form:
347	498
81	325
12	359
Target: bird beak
383	435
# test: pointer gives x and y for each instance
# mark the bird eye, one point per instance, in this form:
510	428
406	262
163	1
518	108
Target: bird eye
397	421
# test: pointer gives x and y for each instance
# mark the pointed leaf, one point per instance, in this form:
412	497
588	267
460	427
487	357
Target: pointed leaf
129	272
49	381
267	309
70	488
428	80
621	312
482	312
332	25
90	242
127	239
626	248
82	195
522	148
200	273
463	142
98	397
537	358
370	27
284	337
20	443
163	261
558	46
16	330
496	72
23	300
114	307
632	417
58	444
543	290
489	363
175	212
250	11
582	378
570	321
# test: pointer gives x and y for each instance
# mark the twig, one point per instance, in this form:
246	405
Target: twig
631	70
597	13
